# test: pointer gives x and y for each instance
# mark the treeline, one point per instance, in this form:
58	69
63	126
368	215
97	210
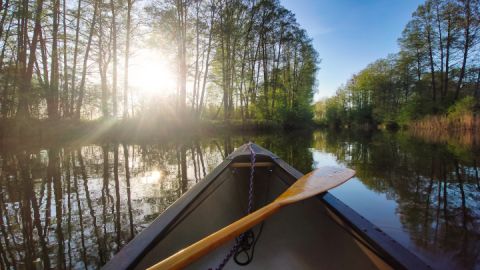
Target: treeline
436	72
234	59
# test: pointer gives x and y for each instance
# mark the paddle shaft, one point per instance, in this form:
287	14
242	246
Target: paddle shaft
307	186
190	254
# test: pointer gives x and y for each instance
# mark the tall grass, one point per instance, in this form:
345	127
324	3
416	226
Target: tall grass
461	129
462	123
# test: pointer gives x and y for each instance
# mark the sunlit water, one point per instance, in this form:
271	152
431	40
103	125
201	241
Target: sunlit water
75	206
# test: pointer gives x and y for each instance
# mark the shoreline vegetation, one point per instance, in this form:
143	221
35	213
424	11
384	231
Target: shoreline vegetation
247	61
461	130
438	123
432	84
14	131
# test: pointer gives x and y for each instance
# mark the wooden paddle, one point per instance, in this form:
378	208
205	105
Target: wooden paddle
311	184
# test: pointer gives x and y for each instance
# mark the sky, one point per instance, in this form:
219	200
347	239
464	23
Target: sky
350	34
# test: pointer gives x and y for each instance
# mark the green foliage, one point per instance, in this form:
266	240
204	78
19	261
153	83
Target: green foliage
296	118
424	78
461	107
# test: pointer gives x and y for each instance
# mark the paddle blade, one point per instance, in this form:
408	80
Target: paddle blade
315	182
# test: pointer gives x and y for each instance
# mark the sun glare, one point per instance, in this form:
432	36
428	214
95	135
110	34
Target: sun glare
152	178
150	73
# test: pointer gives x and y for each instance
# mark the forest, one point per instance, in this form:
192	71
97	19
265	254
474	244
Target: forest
240	60
433	82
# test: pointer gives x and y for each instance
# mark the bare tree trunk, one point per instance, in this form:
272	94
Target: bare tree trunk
65	106
114	72
52	95
43	78
26	68
440	42
447	57
432	68
224	67
102	67
207	62
466	47
182	51
75	55
197	56
275	72
245	52
85	60
419	65
127	57
5	39
5	7
265	74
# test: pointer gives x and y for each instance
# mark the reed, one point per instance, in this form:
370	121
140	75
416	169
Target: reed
462	129
439	123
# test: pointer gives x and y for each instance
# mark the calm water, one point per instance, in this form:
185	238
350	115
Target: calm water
75	206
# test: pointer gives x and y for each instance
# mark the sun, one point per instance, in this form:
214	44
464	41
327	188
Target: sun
151	74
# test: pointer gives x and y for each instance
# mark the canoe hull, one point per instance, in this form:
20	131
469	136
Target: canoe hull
320	232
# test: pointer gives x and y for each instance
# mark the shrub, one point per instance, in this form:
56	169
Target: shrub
461	107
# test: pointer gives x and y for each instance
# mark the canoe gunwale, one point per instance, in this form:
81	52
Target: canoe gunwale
385	247
129	256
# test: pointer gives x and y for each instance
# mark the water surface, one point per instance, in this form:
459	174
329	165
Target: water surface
75	205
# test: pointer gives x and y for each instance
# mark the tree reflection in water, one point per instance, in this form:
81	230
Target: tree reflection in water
70	206
435	187
76	207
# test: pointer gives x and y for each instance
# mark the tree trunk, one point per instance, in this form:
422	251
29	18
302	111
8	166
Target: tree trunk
275	71
197	58
265	75
75	55
26	68
419	65
447	57
466	47
182	51
5	7
207	62
114	72
127	57
102	68
85	61
245	53
52	95
64	105
440	42
432	68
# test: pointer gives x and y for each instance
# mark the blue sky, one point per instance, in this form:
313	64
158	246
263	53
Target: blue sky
350	34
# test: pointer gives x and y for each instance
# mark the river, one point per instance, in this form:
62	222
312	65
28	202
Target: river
74	205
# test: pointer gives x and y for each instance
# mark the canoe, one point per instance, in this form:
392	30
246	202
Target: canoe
318	233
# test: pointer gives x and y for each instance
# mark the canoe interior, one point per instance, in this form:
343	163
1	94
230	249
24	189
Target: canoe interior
318	233
301	236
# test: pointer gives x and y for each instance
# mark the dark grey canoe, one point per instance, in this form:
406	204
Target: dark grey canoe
319	233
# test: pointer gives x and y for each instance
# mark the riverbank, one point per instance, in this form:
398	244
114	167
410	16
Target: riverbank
461	129
443	123
14	131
